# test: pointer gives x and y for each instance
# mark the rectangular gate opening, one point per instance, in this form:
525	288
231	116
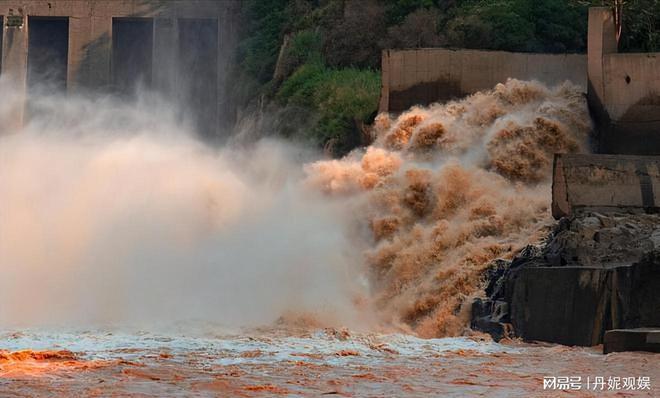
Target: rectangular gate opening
2	34
198	72
48	53
132	53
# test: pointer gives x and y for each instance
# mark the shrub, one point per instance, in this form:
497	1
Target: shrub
257	52
353	42
341	99
301	48
418	29
641	26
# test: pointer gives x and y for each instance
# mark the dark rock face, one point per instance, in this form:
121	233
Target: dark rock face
595	273
602	240
491	317
575	305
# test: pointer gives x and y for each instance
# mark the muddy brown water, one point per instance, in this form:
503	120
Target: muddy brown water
261	363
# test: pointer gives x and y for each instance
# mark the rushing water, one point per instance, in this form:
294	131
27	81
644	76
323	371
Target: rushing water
296	363
116	223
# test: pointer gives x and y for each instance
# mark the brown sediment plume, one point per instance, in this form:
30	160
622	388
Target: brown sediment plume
525	152
382	123
398	138
451	188
36	363
25	355
268	388
417	196
354	174
383	228
517	92
428	136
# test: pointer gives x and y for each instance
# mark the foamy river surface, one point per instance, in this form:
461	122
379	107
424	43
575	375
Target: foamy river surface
262	363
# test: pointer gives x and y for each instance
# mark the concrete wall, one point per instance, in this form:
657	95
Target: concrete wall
604	182
424	76
576	305
90	37
624	91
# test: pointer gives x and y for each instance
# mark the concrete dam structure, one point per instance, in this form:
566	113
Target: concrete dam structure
599	266
624	91
623	88
179	48
424	76
601	262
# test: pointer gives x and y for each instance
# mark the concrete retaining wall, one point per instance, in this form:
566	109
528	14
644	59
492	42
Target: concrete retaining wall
604	181
423	76
624	91
576	305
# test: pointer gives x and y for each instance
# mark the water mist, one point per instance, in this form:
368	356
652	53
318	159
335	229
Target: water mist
111	212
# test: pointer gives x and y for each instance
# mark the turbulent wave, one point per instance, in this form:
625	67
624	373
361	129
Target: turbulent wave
113	213
449	189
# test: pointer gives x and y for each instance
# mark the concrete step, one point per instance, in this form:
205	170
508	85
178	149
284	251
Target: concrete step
640	339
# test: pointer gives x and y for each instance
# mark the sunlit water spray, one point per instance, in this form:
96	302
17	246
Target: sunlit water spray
114	214
114	217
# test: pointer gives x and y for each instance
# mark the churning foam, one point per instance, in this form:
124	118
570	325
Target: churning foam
451	188
111	212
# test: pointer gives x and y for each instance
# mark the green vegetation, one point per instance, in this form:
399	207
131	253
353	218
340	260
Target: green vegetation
641	26
519	25
319	60
343	99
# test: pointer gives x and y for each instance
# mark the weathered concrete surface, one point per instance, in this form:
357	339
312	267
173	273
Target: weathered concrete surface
89	64
596	272
428	75
640	339
604	181
624	91
14	60
575	305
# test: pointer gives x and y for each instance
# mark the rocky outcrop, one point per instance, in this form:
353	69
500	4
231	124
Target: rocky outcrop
595	273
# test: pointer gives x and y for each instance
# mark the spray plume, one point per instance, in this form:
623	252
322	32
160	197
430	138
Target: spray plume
449	189
112	212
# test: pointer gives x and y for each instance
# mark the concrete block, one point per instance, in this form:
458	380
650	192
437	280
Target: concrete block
640	339
559	304
604	181
575	305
